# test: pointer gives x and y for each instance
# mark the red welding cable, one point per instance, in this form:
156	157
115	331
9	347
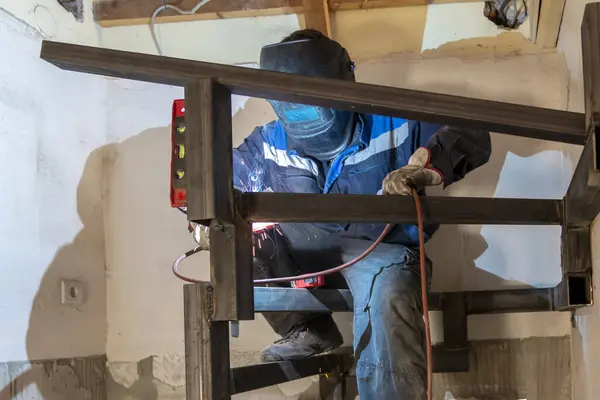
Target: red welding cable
422	264
339	268
330	271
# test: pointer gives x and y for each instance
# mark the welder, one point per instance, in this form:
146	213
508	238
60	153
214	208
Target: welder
311	149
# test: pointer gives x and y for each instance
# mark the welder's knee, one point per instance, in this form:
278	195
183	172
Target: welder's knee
389	336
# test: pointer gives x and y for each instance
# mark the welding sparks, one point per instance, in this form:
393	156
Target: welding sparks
261	232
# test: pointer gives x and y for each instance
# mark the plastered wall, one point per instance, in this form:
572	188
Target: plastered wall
90	201
51	123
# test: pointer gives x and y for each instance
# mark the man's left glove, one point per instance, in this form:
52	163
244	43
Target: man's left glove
417	174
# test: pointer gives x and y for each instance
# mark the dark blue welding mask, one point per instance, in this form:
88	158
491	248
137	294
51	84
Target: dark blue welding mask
318	132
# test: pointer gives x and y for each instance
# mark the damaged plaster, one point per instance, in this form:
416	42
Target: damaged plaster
67	379
75	7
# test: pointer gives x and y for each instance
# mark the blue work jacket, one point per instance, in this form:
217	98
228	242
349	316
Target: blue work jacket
268	161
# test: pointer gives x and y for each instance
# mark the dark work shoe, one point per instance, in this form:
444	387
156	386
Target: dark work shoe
315	337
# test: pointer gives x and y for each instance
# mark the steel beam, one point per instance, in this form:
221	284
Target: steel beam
209	175
509	301
450	360
273	299
455	321
575	289
208	145
206	346
582	200
507	118
257	376
303	207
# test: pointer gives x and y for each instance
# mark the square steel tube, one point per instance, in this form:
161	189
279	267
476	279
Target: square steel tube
209	174
554	125
277	299
206	346
303	207
582	200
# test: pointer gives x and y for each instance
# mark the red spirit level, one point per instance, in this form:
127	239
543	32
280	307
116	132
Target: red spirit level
178	191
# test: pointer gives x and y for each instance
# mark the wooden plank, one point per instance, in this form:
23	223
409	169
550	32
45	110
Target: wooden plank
533	11
551	12
109	13
316	16
560	126
134	12
301	207
349	5
454	1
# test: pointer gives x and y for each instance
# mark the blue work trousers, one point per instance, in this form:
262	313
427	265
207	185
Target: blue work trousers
389	333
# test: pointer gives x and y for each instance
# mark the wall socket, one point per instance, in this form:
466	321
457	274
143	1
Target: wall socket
72	292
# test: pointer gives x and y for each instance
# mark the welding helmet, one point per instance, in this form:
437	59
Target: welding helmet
318	132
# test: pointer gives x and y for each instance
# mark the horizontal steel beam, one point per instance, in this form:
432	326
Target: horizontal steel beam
257	376
271	299
268	299
301	207
509	301
559	126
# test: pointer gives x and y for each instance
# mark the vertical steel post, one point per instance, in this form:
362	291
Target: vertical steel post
209	173
455	321
582	201
207	370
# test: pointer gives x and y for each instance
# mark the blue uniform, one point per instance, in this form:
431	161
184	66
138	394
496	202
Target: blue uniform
388	327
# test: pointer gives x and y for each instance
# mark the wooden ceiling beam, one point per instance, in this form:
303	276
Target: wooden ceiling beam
109	13
316	16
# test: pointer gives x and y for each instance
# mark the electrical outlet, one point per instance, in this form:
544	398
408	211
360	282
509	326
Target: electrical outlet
72	292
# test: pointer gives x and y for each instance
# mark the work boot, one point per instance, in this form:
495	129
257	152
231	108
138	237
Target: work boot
314	337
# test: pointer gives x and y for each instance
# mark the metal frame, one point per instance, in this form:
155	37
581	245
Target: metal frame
230	296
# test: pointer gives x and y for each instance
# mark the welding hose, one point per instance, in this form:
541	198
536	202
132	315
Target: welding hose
339	268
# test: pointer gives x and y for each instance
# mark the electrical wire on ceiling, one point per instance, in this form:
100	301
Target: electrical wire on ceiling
164	7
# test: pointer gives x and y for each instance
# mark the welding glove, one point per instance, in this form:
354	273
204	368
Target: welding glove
417	174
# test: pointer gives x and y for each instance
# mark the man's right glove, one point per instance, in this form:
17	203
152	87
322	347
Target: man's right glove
417	174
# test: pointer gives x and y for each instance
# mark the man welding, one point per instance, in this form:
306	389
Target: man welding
313	149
